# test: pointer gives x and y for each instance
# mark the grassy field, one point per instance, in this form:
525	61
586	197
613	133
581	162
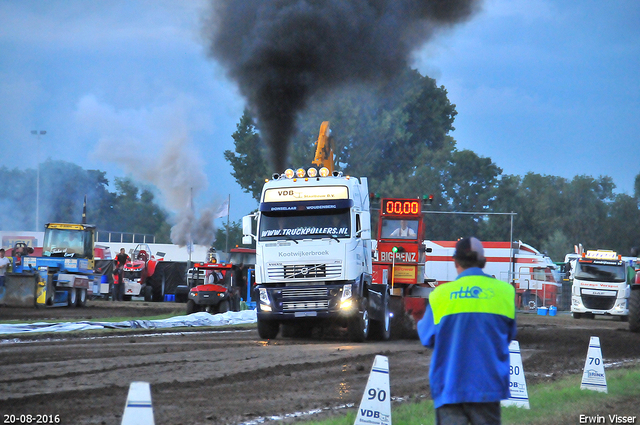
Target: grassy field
552	403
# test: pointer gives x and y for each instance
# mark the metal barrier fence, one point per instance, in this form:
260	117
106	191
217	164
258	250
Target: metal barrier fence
124	237
540	289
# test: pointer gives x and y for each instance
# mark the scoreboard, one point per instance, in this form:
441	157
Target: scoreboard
401	207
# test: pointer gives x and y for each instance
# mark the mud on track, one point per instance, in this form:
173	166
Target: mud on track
231	376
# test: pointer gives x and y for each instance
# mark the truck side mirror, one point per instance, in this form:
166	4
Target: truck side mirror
247	236
365	225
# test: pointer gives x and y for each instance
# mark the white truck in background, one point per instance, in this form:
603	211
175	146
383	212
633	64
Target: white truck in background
599	284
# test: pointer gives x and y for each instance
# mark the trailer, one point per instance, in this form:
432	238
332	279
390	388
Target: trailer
534	275
413	266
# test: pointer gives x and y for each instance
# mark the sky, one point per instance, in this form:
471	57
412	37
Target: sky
127	87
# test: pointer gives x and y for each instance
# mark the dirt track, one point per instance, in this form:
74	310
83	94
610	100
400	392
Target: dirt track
231	376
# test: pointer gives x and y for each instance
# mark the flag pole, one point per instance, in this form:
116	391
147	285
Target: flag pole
190	241
228	210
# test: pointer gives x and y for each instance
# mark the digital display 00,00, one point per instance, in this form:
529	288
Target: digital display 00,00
404	207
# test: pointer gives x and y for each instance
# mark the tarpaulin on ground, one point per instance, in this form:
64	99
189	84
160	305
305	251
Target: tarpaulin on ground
192	320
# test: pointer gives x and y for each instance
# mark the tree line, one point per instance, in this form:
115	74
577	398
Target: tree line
398	135
63	185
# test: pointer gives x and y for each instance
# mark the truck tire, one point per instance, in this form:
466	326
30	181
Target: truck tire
82	297
634	310
268	329
402	324
358	325
534	302
72	297
158	289
577	315
51	292
381	329
192	307
148	293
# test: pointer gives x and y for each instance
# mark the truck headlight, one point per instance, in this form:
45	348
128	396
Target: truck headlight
264	297
347	293
265	302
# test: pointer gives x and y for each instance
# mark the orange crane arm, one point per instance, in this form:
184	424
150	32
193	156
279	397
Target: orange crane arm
324	148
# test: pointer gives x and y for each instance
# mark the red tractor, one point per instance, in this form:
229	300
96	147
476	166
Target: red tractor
138	272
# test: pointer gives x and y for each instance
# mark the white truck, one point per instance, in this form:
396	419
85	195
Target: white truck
599	284
313	255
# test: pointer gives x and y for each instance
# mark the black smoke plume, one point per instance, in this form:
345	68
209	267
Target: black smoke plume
281	52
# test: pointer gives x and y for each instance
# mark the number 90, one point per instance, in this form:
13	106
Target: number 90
379	395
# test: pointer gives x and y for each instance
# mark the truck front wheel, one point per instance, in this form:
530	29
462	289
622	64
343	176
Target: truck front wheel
358	325
381	329
268	329
634	310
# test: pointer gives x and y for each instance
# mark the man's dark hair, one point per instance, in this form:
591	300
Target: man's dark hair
470	253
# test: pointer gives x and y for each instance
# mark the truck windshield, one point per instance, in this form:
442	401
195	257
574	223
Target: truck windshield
600	272
399	229
67	243
305	225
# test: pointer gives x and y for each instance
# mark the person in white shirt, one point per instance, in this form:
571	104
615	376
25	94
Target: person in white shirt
4	263
403	231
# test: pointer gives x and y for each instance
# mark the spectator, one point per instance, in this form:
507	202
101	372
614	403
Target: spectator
469	323
118	286
404	231
4	264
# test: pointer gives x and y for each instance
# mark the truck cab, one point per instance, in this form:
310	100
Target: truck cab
599	284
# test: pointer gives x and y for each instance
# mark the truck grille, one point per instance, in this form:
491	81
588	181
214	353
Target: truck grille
595	302
300	299
305	305
305	271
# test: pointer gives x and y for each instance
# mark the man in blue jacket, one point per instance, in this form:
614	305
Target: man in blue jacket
469	323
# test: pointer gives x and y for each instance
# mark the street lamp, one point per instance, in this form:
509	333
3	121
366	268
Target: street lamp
38	133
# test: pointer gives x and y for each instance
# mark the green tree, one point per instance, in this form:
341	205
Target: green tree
136	212
557	245
248	160
379	130
586	210
63	186
235	237
622	231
